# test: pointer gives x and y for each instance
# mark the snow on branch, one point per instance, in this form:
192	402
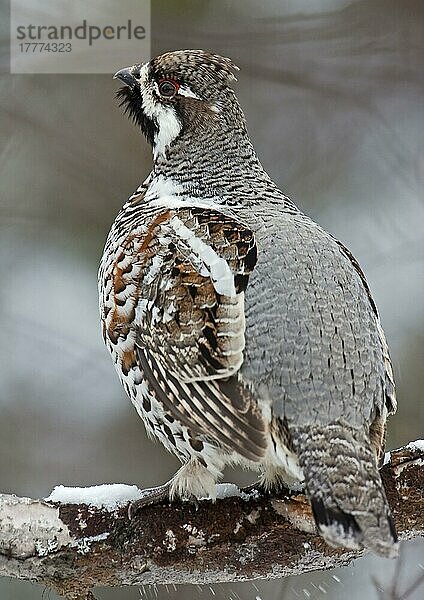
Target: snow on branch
80	538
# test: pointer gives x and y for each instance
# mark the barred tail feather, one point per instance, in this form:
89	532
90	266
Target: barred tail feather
345	489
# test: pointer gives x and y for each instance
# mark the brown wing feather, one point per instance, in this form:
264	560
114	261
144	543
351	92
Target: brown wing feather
190	337
192	329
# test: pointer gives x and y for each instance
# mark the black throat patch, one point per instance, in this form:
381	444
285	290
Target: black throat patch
130	100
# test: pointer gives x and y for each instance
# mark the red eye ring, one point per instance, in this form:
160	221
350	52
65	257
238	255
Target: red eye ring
168	88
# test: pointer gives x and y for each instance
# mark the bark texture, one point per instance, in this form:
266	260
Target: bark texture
76	547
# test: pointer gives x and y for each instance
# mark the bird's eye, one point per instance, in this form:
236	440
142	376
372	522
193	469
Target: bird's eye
168	88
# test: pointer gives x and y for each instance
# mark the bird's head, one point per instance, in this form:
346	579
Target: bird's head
186	92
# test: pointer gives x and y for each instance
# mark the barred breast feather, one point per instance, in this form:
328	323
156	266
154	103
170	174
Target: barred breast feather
174	307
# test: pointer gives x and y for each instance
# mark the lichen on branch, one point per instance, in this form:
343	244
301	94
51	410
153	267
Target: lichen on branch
87	540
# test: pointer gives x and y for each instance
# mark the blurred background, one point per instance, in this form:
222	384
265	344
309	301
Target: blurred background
333	94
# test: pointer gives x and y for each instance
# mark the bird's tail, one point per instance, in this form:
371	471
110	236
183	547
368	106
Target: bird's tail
345	489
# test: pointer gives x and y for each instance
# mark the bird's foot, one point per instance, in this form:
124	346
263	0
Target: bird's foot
263	489
150	496
256	488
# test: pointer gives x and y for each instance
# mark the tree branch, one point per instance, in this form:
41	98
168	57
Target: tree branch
75	547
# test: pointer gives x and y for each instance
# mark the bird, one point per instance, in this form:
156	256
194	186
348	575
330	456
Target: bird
242	332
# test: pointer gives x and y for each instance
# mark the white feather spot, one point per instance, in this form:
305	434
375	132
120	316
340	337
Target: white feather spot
218	268
184	90
156	314
152	273
335	534
163	187
140	310
169	312
164	192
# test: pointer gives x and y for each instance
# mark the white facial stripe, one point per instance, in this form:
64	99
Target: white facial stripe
168	124
184	90
147	99
169	128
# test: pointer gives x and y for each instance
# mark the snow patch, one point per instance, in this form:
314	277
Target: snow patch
417	445
227	490
387	458
231	490
108	496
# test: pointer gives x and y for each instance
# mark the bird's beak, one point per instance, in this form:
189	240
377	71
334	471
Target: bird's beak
129	75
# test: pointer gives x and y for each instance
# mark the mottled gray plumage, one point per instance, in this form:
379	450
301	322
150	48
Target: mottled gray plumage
241	330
